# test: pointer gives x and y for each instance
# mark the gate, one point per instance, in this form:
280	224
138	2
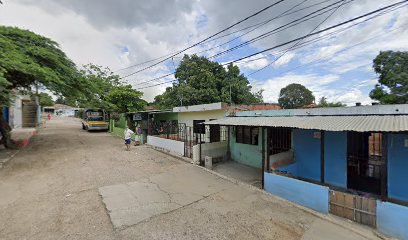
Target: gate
356	208
29	110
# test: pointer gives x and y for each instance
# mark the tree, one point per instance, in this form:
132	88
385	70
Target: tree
45	99
295	96
201	81
28	60
106	91
324	103
392	70
126	99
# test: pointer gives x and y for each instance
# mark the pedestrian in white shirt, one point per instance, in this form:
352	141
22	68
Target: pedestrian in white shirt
128	137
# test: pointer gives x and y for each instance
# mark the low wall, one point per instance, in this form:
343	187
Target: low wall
392	219
303	193
214	150
166	144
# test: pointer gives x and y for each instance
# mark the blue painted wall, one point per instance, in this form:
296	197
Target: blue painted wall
6	114
307	154
397	167
303	193
247	154
335	158
392	219
291	168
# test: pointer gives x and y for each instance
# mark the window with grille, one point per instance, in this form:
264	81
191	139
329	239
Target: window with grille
247	135
280	140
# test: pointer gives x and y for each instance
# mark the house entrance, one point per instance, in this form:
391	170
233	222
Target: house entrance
366	163
29	116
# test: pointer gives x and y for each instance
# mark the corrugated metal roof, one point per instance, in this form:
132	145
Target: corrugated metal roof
383	123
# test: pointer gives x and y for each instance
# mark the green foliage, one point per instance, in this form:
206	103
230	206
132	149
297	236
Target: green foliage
392	69
202	81
295	96
324	103
105	90
28	59
45	99
126	99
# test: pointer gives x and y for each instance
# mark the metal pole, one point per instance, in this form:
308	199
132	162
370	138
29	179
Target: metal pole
322	156
263	156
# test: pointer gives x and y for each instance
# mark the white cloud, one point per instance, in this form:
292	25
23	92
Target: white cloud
313	82
97	31
285	59
254	63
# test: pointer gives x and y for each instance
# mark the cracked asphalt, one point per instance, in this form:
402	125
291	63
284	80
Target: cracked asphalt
71	184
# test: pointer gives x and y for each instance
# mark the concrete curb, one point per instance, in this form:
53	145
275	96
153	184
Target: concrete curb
368	232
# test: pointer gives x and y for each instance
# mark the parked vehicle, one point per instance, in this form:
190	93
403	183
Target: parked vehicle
94	119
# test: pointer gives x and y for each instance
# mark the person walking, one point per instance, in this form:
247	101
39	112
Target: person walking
128	137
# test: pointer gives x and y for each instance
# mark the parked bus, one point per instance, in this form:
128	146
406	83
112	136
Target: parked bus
94	119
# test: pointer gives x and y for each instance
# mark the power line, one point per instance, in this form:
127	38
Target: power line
309	42
225	29
294	45
228	34
303	37
295	22
289	25
318	32
340	51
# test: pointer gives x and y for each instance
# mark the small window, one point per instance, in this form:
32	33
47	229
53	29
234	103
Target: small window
280	140
247	135
197	127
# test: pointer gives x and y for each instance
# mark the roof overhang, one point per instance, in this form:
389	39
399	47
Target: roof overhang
372	123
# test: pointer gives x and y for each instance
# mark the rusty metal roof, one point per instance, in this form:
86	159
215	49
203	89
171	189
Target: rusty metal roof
372	123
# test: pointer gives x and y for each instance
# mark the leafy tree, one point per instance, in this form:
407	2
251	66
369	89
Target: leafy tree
295	96
126	99
28	60
45	99
324	103
202	81
392	69
106	91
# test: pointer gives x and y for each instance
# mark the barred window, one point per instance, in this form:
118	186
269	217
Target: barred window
247	135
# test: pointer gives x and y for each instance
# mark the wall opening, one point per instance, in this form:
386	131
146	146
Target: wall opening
280	140
366	163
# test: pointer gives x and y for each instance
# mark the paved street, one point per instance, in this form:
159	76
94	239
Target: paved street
71	184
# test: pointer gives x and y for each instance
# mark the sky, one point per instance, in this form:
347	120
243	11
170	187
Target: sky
123	33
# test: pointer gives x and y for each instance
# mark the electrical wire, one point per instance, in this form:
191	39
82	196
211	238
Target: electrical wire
297	43
297	39
213	35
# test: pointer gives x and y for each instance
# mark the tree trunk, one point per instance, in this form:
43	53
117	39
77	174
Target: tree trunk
5	132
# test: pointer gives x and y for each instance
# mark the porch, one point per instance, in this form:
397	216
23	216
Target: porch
351	166
247	174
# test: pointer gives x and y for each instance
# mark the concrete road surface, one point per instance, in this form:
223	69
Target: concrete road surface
72	184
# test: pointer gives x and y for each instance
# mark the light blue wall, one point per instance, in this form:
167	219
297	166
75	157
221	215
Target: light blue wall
247	154
392	219
335	158
303	193
307	154
397	167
